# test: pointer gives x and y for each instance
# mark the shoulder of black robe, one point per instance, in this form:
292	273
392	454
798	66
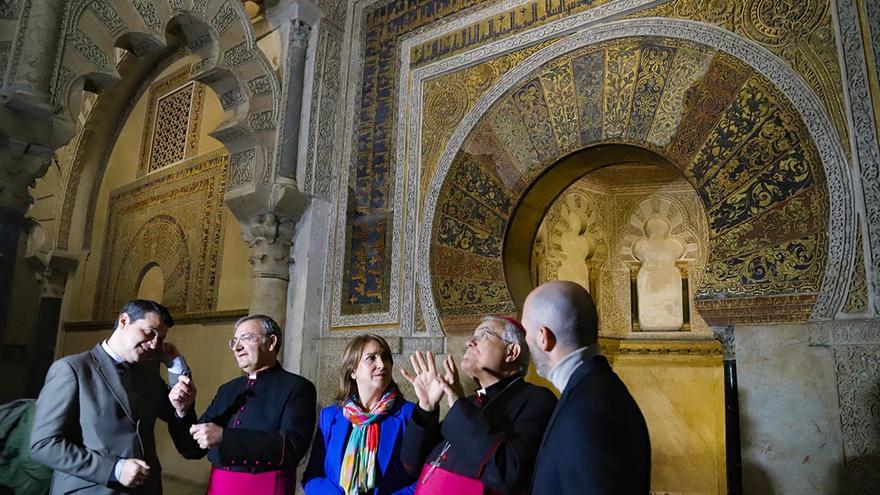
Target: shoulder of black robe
497	442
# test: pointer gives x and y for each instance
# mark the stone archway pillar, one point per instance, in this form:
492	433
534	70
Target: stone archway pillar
52	271
20	164
30	128
270	239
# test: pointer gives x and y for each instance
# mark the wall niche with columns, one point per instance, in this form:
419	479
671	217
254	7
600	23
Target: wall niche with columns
635	236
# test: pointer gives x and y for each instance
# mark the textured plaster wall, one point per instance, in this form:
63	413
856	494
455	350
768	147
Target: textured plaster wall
213	365
789	413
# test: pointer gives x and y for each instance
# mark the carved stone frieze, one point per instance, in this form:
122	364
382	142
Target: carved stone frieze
857	299
203	64
9	9
88	49
845	332
224	17
864	127
856	347
231	97
148	13
237	55
259	85
858	367
241	168
322	150
107	15
262	120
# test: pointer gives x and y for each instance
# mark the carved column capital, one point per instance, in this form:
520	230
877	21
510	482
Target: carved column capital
270	239
303	11
726	337
52	269
299	34
21	164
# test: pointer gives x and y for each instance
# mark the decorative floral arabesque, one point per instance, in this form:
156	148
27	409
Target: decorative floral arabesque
729	131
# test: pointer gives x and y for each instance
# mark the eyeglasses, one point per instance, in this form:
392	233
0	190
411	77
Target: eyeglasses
483	333
244	339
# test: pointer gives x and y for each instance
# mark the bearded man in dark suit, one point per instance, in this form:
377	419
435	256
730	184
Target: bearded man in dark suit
95	416
596	441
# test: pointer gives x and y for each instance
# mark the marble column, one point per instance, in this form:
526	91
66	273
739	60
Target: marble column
30	126
731	410
270	239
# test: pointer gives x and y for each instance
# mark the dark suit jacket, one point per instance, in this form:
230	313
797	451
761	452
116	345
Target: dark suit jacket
597	440
86	420
325	462
267	422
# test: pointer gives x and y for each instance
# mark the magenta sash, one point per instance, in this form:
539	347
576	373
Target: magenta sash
443	482
268	483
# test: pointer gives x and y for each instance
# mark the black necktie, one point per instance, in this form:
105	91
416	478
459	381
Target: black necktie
126	377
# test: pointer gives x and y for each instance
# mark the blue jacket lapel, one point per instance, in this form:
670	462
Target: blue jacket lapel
389	430
338	440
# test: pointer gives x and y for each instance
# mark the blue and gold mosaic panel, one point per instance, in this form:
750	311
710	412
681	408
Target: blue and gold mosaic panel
731	133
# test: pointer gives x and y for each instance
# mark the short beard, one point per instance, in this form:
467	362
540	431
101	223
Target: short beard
542	362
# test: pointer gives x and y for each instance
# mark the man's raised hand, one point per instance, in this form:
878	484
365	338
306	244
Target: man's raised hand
182	395
426	384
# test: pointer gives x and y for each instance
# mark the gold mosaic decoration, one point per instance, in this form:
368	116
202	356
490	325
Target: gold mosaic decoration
799	32
730	132
172	125
515	20
449	97
173	218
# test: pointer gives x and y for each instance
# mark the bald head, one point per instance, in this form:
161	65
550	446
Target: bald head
567	310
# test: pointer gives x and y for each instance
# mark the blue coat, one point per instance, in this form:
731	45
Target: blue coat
325	462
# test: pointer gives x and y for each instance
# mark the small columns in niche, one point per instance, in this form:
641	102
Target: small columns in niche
659	251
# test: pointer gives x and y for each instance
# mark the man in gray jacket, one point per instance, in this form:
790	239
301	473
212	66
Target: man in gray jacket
95	416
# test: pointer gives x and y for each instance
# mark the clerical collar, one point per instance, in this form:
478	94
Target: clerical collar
489	393
115	357
563	370
265	371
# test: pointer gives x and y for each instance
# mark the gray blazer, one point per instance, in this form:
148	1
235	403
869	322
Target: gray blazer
86	420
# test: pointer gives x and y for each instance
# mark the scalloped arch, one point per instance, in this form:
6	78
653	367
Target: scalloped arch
230	63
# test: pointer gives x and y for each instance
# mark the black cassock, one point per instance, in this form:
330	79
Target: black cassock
267	422
494	438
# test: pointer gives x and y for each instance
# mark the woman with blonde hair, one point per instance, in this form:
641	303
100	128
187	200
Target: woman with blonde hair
357	446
